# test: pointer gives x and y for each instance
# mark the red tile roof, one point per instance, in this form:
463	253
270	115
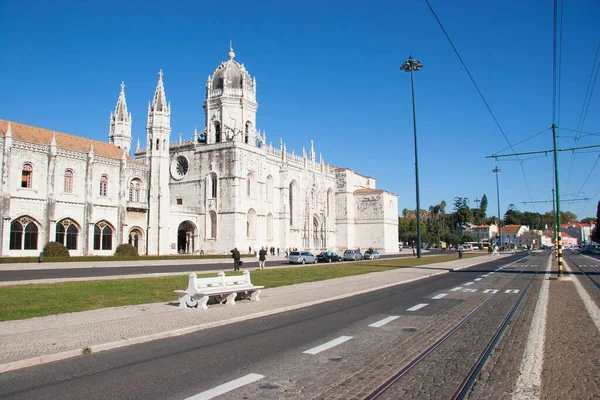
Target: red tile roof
32	134
511	228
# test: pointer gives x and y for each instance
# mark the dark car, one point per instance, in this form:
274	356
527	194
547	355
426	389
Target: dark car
328	256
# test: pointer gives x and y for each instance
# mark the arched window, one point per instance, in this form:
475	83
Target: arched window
213	224
250	184
135	189
269	189
217	132
66	233
135	238
292	199
316	240
16	236
269	226
23	234
213	185
329	211
251	224
102	236
157	144
68	184
103	185
27	176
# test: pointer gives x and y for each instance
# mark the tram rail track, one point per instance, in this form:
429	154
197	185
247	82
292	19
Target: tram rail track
471	377
570	258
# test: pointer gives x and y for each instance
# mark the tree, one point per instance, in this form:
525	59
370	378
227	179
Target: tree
462	211
596	233
483	205
567	216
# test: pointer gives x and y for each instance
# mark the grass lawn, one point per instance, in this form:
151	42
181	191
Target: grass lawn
27	301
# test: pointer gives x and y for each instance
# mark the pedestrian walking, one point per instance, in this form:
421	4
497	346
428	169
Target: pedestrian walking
414	253
262	257
278	251
235	254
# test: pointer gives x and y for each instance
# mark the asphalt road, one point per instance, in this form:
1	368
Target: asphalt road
282	354
98	272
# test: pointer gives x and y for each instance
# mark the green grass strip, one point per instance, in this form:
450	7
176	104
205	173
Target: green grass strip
36	300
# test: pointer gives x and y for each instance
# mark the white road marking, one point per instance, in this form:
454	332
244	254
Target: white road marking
477	279
439	296
456	289
418	307
509	291
588	302
490	273
468	283
226	387
485	276
529	382
328	345
492	291
469	290
383	321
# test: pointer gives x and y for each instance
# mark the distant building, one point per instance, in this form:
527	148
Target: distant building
227	186
512	234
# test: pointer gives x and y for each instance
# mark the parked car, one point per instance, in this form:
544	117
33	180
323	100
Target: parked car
352	255
302	257
371	255
328	256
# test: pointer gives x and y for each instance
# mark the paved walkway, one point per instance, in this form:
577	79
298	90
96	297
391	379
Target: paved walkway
571	342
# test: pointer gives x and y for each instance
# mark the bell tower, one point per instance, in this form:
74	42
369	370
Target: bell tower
158	131
230	105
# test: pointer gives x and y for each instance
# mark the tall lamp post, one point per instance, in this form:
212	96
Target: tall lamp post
409	66
496	170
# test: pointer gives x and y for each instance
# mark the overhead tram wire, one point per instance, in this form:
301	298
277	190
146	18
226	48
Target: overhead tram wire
480	94
524	140
584	109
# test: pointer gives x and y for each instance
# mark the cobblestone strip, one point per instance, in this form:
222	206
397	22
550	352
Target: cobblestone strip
572	353
588	302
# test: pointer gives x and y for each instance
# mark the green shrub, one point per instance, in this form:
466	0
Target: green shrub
55	249
126	250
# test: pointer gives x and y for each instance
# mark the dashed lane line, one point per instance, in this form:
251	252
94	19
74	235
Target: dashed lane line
227	387
418	307
439	296
477	279
456	289
328	345
384	321
468	283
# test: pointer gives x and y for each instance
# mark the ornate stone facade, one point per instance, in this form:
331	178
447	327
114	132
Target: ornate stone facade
226	186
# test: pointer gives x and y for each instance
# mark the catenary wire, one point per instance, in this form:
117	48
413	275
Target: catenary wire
480	94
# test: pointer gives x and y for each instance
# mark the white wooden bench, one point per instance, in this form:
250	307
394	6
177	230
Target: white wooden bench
221	288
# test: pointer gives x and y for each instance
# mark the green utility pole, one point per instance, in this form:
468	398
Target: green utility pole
558	234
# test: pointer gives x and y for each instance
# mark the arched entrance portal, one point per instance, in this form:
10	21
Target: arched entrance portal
136	239
186	234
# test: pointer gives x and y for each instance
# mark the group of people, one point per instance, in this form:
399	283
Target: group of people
262	257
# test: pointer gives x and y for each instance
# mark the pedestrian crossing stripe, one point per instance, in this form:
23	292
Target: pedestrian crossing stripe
509	291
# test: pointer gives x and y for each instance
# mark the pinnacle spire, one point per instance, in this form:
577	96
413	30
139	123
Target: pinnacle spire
121	113
160	100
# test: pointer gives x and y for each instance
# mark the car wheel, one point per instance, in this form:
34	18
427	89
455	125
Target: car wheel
329	260
340	259
303	261
315	261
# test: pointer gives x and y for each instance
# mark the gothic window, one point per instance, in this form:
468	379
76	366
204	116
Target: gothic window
23	235
270	226
316	232
217	132
157	144
68	184
213	185
292	199
103	185
135	190
251	224
66	233
26	175
329	210
213	224
269	189
250	184
102	236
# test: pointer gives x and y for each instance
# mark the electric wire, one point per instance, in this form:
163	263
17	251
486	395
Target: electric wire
584	109
480	95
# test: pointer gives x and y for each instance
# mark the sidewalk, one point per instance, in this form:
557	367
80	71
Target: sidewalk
45	339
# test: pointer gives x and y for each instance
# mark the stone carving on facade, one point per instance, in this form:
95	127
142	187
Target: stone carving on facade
369	207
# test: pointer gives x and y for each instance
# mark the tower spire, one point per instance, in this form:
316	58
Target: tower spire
160	100
120	123
121	113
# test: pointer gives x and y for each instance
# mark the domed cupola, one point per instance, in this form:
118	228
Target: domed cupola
230	105
230	75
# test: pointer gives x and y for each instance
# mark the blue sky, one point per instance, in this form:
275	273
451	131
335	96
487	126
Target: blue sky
329	71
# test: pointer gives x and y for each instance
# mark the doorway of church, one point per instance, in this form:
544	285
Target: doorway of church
186	234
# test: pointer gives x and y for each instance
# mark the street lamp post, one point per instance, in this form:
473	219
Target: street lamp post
496	170
409	66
